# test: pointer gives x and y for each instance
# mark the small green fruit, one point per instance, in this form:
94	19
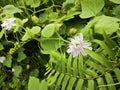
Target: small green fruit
35	19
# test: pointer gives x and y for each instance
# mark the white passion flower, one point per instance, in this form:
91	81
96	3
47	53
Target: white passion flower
2	59
77	46
9	23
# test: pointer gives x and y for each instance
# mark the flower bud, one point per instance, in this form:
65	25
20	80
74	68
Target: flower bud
72	31
35	19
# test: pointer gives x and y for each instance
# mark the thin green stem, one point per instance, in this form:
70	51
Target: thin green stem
109	85
25	7
47	8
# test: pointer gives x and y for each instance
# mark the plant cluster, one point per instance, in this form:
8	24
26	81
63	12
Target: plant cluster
59	44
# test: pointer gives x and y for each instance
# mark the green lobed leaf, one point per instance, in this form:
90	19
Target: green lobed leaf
70	14
50	45
11	9
18	70
50	29
53	16
107	24
70	1
14	83
43	17
30	33
20	24
27	35
33	3
48	16
8	61
21	56
102	24
43	85
68	4
35	30
91	7
115	1
33	83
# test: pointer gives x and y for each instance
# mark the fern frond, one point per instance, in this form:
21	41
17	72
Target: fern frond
109	80
82	73
117	73
79	84
101	82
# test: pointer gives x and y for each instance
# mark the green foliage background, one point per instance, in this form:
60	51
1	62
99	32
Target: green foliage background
36	47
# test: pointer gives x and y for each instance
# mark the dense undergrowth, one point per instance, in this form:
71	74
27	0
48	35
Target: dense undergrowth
59	44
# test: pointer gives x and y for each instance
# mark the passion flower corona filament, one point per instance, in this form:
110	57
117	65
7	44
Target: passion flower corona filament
77	46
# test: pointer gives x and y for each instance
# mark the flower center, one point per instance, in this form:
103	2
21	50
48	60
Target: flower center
77	45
